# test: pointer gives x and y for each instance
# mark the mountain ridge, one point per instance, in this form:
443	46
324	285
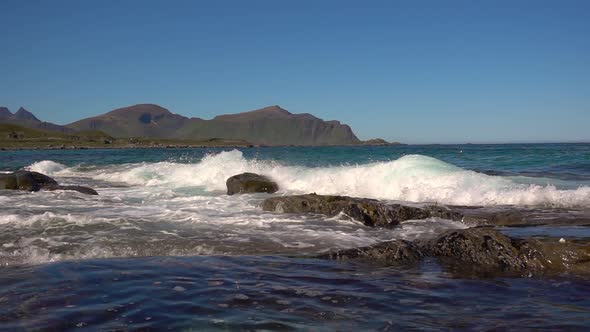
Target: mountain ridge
271	125
27	119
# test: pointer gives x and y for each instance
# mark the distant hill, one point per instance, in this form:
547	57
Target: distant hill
269	126
379	141
24	118
15	137
143	120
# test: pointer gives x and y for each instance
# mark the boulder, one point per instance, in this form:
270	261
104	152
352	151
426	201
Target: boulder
24	180
34	181
370	212
250	183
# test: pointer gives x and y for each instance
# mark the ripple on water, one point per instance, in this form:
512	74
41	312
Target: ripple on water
275	293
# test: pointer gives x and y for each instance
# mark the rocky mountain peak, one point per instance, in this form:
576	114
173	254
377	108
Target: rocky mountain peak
23	114
5	113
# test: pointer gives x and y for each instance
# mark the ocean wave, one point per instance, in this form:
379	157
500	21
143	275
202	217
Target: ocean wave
46	167
414	178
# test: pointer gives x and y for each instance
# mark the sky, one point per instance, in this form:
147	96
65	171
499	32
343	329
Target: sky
409	71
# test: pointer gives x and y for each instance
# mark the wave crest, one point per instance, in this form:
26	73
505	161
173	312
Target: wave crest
413	178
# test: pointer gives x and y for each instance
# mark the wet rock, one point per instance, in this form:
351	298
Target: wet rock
250	183
34	181
370	212
386	253
524	216
571	256
24	180
480	251
485	247
41	179
80	189
8	181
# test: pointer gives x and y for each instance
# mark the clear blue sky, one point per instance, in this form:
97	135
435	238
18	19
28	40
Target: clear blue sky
410	71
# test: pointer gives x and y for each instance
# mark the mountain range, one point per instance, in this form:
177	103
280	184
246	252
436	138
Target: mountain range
24	118
271	125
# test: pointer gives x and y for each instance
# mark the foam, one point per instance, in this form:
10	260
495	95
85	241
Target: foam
412	178
47	167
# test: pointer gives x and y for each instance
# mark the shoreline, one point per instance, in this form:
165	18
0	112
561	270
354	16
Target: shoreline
248	145
172	146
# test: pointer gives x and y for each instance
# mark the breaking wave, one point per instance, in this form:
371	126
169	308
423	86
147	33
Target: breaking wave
414	178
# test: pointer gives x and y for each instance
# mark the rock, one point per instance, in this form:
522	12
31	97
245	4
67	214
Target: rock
485	248
41	179
370	212
250	183
524	216
34	181
386	253
80	189
24	180
480	251
8	181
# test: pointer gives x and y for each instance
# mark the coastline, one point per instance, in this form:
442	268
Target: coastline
146	143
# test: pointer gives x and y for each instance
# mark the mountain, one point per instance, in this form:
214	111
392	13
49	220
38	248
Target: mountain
143	120
270	126
26	119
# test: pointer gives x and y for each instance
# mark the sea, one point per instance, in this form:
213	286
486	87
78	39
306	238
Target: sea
162	247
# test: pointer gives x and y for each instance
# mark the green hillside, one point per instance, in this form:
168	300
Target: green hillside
18	137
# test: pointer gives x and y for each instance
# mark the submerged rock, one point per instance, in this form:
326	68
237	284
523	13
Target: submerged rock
480	250
485	247
80	189
370	212
34	181
386	253
250	183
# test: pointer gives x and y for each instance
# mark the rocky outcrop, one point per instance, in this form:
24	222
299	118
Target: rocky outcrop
250	183
479	250
370	212
34	181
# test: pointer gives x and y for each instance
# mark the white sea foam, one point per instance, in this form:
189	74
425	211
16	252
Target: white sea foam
47	167
413	178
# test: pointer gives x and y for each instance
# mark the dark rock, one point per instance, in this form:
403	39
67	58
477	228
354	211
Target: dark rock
480	251
250	183
524	216
24	180
80	189
487	248
386	253
371	212
34	181
8	181
484	249
41	179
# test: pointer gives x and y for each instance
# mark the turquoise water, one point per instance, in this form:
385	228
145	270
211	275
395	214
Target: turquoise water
163	246
560	161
